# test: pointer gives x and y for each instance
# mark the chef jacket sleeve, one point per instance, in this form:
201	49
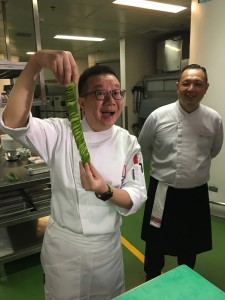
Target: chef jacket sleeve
146	138
218	140
134	182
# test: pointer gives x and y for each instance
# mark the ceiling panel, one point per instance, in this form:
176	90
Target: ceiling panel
98	18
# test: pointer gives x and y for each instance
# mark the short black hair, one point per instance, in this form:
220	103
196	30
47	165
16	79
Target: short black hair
194	66
92	71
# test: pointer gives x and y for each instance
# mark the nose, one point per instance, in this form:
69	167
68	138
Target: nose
109	97
191	86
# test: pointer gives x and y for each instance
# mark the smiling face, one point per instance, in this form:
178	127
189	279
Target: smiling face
191	89
101	115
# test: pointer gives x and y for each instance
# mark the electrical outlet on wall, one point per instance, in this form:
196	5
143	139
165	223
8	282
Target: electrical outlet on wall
213	188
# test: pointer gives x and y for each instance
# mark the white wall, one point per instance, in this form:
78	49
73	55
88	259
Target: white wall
137	60
102	57
207	48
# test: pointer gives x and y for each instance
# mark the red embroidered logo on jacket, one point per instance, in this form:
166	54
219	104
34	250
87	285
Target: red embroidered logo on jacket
135	159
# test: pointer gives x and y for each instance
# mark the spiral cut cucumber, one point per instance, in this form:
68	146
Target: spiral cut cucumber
74	117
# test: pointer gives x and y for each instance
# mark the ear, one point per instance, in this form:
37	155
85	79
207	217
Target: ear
207	87
81	103
177	86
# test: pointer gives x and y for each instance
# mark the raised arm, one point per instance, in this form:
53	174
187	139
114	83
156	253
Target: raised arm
62	64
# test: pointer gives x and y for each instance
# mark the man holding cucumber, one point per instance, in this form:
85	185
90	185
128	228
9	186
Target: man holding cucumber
81	254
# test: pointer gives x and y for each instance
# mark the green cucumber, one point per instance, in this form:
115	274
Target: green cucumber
74	117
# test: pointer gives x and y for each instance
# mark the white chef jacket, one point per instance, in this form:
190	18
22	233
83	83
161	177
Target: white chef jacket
112	153
81	254
179	146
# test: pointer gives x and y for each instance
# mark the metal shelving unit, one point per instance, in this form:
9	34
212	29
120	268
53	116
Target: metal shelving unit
24	211
24	204
10	70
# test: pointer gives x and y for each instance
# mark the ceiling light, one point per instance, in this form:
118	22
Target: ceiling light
151	5
80	38
30	53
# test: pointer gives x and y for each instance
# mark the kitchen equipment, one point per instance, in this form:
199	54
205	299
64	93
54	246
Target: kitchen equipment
11	155
10	146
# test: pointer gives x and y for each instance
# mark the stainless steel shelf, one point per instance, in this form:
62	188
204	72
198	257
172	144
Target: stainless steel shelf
24	211
10	70
21	218
15	245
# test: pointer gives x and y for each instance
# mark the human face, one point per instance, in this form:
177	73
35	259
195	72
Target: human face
101	115
191	89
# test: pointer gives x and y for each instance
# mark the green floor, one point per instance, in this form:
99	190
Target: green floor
24	276
211	265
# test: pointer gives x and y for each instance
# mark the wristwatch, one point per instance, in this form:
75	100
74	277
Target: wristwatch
105	196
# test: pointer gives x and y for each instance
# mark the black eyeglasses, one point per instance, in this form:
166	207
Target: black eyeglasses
100	95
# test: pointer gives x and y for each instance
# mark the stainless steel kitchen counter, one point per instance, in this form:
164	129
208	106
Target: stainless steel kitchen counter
19	168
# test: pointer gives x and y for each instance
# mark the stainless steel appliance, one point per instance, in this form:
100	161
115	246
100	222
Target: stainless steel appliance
10	147
159	90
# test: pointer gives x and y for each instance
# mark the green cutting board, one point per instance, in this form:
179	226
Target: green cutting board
181	283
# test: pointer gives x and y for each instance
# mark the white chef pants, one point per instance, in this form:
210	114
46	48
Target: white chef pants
81	268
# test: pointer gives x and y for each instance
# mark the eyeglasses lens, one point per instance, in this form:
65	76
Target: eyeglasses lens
116	94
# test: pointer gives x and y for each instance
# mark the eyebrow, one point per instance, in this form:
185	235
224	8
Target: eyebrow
100	87
192	80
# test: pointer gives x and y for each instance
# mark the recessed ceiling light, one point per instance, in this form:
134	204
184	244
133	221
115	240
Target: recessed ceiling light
80	38
151	5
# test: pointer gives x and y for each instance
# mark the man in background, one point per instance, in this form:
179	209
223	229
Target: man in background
178	141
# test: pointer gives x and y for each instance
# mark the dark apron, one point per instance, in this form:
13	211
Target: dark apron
186	221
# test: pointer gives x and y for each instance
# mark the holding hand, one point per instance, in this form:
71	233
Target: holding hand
91	180
61	63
